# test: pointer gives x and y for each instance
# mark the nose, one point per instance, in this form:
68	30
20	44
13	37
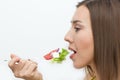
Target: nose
68	37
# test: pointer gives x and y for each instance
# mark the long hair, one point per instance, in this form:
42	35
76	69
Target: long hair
105	20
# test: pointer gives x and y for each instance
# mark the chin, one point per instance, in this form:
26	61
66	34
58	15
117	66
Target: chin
78	66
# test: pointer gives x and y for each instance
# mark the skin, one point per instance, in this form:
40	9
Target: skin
26	69
80	40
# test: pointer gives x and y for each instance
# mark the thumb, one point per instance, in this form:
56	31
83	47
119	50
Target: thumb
13	56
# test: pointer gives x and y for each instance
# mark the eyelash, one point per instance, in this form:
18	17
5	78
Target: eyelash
77	28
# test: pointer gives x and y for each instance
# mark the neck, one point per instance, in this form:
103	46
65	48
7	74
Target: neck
94	71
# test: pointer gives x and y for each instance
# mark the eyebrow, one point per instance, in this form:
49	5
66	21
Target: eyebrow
75	21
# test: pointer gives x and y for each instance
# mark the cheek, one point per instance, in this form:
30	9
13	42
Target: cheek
84	41
85	50
83	59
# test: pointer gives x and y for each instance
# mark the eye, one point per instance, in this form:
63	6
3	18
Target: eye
77	27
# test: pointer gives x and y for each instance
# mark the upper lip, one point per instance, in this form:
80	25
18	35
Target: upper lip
72	49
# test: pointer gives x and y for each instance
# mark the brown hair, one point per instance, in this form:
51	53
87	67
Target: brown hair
105	20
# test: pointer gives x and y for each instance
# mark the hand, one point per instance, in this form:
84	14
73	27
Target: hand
26	69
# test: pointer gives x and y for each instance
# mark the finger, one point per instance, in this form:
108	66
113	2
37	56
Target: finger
33	61
27	64
20	65
12	62
30	71
32	68
13	55
18	68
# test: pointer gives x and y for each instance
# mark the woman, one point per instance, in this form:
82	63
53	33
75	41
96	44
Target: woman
94	39
96	29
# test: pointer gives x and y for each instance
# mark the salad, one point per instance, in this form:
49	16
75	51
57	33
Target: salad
57	55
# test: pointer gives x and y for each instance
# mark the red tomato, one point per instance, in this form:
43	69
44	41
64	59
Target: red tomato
49	55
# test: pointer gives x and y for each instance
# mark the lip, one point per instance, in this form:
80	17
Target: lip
74	52
72	55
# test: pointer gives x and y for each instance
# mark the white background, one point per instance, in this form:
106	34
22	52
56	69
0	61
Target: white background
30	29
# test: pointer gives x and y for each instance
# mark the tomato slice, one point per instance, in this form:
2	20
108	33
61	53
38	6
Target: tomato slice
49	55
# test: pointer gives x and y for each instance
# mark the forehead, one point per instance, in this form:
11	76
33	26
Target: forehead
82	14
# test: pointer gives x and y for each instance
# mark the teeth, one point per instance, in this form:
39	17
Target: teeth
74	51
71	51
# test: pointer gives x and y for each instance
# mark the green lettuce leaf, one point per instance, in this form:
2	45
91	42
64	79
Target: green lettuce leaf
62	56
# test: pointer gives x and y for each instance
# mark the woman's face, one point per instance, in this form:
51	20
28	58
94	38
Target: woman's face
80	38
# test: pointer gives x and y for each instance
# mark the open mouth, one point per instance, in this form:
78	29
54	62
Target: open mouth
73	52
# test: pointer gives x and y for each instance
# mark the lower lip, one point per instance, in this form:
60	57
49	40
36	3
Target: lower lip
72	55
